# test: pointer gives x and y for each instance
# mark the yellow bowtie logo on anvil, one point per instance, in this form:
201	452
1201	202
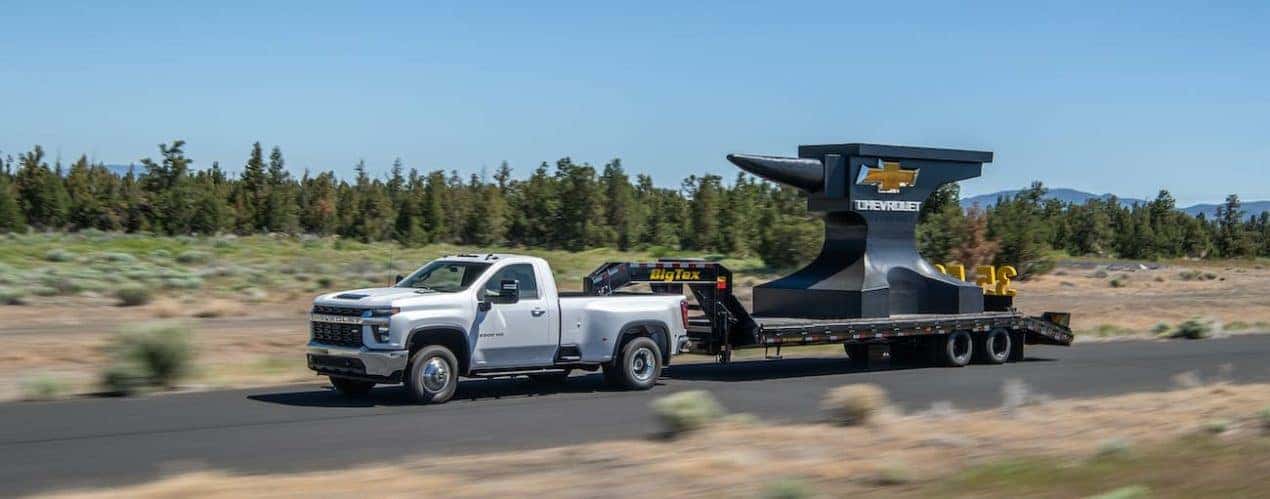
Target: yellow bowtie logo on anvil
890	178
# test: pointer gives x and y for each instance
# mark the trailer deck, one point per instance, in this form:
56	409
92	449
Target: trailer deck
786	330
722	324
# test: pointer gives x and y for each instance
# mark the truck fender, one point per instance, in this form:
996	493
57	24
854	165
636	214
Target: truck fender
451	338
656	330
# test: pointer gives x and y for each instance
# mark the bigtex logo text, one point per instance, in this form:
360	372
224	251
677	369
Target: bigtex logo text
669	275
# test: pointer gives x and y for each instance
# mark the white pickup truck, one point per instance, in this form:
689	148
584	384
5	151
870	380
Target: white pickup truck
488	315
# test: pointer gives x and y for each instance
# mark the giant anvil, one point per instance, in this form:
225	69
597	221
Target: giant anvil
870	196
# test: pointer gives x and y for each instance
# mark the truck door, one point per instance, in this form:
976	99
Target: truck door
517	334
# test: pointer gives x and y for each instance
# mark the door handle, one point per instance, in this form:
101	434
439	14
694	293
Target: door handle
537	312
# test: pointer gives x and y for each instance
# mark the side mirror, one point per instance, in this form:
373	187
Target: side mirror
508	292
399	279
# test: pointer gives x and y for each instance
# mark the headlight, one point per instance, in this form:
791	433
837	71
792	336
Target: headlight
379	327
384	312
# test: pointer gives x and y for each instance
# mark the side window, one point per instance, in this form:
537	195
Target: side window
522	272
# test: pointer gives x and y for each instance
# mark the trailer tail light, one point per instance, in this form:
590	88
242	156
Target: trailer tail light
721	283
683	312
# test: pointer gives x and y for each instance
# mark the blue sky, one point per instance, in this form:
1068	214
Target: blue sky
1099	96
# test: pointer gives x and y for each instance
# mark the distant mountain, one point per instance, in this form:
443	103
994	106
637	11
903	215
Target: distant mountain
1064	195
1250	208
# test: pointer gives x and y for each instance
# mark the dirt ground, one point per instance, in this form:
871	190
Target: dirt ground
1236	295
63	340
910	455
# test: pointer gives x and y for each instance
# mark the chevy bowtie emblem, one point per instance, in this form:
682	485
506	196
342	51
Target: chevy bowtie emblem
890	178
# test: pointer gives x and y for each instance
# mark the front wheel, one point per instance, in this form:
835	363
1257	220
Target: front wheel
638	367
351	387
433	375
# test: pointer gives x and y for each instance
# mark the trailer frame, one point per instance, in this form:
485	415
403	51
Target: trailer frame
724	325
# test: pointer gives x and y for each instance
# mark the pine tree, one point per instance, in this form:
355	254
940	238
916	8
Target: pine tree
975	248
319	215
43	198
279	210
409	228
167	183
1232	239
579	206
374	207
85	209
1091	232
435	198
705	193
486	223
1017	224
211	209
11	218
540	209
253	189
621	214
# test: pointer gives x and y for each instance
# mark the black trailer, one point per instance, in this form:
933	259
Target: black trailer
720	323
869	288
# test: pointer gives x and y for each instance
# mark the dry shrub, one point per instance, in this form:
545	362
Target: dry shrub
855	404
218	308
132	296
686	411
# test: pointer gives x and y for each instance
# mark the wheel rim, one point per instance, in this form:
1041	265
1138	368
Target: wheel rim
643	364
1000	345
959	346
435	375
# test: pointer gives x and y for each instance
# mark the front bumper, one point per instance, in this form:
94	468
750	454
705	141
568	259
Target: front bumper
381	366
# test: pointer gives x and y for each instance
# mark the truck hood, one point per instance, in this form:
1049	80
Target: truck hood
370	297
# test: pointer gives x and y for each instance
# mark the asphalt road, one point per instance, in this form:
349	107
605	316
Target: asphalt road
92	442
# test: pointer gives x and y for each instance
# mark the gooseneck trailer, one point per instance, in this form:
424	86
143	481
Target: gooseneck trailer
869	288
720	324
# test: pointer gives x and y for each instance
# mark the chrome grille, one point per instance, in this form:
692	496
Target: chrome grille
331	333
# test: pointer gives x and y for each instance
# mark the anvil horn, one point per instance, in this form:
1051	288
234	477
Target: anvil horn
803	173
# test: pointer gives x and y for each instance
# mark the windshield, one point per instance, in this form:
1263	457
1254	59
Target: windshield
444	277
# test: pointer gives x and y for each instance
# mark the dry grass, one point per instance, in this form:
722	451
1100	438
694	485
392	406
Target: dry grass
1238	293
731	460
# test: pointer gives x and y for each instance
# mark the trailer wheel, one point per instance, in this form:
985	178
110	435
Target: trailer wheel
639	366
994	347
1016	346
433	375
957	349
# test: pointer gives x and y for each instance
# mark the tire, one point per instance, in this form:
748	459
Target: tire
957	349
1016	347
351	387
994	347
638	367
551	378
432	375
